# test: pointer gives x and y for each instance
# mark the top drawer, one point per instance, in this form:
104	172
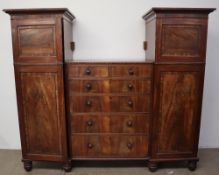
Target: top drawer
88	71
131	70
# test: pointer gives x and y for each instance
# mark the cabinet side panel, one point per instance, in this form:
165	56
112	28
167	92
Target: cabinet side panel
68	37
151	38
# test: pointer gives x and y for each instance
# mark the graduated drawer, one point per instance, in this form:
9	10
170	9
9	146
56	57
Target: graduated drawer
106	103
131	70
110	86
109	146
87	71
130	86
89	86
116	123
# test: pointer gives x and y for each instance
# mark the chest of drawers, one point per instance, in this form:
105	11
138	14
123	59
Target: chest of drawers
109	109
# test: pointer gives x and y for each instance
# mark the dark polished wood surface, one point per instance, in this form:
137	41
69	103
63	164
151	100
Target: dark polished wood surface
37	36
109	109
104	110
177	40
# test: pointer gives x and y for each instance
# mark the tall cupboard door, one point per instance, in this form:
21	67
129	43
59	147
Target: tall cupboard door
41	112
177	110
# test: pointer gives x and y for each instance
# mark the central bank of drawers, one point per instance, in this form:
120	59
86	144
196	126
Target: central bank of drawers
109	109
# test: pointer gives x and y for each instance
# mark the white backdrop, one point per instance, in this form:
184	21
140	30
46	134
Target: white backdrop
112	29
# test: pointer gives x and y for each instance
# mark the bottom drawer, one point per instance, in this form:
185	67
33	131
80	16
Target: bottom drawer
115	145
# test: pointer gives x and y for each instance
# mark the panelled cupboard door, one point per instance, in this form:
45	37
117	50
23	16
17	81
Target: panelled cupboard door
177	110
37	40
41	112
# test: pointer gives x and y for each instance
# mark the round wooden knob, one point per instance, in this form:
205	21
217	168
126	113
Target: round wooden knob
130	103
130	86
88	86
90	123
131	71
88	71
129	145
90	145
88	103
129	123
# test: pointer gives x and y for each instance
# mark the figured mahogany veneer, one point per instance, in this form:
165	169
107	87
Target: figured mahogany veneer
177	34
39	36
109	109
177	42
106	146
72	110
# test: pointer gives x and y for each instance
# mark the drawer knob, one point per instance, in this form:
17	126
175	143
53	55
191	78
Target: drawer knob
130	103
88	103
129	145
88	86
131	71
129	123
90	145
90	123
88	71
130	86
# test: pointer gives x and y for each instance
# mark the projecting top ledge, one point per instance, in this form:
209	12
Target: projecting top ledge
37	11
187	11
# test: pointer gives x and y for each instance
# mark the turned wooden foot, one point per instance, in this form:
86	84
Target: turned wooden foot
67	166
192	164
152	166
27	165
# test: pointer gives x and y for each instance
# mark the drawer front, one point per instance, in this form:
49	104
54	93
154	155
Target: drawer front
130	86
89	86
131	71
130	103
89	104
109	146
110	103
110	123
88	71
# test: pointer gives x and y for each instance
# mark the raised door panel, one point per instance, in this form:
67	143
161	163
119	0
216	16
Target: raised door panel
177	114
41	112
37	40
181	40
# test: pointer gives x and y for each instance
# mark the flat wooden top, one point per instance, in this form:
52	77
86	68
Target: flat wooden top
155	10
107	61
39	11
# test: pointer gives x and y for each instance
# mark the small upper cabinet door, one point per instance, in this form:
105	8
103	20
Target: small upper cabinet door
41	112
37	40
177	34
178	98
181	39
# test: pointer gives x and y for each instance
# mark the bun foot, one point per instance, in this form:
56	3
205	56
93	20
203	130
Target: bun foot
27	165
67	166
192	165
152	166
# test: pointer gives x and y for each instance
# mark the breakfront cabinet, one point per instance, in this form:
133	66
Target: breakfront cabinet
71	110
